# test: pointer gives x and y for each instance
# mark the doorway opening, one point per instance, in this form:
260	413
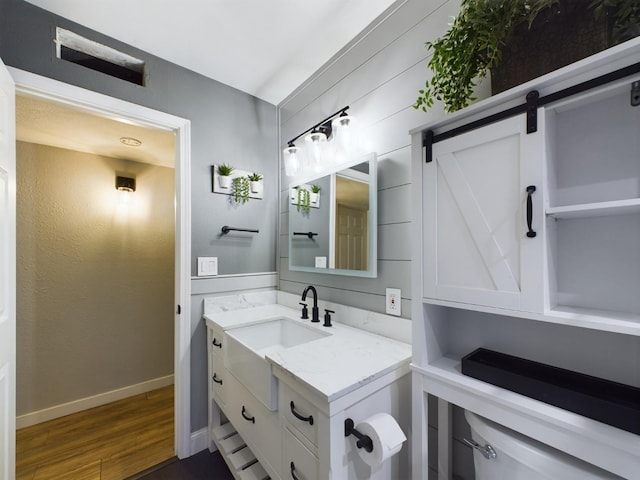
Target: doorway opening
31	87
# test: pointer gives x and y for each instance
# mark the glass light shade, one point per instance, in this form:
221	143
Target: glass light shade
344	139
316	149
291	157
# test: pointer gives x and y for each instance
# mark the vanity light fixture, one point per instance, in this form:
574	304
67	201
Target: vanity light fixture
317	138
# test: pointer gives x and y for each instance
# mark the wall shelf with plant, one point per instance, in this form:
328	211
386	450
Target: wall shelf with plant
305	197
242	185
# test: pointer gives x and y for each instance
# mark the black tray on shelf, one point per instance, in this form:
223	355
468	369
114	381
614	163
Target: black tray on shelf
609	402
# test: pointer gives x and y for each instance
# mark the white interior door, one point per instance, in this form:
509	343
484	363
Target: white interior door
7	275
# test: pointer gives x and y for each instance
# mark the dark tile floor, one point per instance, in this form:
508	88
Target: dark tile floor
201	466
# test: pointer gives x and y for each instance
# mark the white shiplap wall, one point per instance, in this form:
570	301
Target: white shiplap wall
378	76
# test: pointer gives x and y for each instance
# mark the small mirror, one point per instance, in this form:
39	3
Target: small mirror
333	220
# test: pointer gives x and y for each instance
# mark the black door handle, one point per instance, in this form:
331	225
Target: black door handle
293	472
530	190
216	379
219	345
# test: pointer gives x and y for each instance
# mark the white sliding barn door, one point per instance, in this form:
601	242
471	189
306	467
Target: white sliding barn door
7	276
476	247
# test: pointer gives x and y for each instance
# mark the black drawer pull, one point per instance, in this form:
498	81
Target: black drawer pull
219	345
216	379
300	417
530	190
248	419
293	472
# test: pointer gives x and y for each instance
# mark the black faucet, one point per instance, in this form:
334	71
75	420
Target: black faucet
315	317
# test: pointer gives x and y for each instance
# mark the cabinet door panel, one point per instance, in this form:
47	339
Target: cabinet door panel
475	218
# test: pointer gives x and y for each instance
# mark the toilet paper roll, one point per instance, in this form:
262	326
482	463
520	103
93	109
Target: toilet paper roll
386	435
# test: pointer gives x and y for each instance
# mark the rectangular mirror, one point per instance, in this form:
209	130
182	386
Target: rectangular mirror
333	221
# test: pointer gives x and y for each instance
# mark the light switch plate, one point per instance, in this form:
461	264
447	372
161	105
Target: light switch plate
394	301
321	262
207	266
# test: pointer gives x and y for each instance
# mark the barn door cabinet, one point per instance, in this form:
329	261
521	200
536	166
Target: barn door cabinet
476	188
526	241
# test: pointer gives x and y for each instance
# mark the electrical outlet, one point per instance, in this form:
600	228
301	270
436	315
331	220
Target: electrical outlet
394	301
207	266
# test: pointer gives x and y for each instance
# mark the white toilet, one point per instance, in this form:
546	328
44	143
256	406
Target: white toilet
518	457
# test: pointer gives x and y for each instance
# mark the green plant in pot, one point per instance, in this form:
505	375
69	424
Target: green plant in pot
304	200
255	182
476	41
471	46
240	192
315	193
224	175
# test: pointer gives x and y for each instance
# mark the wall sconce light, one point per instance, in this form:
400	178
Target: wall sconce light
125	184
125	187
331	130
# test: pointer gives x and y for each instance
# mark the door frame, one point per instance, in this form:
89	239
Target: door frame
34	85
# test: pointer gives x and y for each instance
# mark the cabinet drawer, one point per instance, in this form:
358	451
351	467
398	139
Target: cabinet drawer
219	382
300	413
298	463
216	343
257	425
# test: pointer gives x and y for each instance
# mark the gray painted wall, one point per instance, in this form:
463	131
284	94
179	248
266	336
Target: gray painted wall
378	75
227	125
94	277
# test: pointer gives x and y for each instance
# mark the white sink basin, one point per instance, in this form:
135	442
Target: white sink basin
247	346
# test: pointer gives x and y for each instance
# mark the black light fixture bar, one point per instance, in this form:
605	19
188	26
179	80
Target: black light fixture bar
321	124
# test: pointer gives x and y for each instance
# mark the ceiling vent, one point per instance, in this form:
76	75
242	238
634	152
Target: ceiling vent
87	53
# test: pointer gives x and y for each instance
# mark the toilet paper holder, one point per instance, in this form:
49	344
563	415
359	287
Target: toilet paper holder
364	441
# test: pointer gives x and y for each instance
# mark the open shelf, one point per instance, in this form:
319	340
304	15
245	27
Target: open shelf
606	320
615	450
615	207
239	458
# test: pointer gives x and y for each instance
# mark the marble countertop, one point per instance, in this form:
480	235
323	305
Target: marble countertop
332	366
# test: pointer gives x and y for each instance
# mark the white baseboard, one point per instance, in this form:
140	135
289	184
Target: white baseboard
199	440
75	406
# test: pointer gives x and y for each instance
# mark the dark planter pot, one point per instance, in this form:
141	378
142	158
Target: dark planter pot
559	35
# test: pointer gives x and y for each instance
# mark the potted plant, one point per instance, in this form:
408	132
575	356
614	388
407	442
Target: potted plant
304	200
315	192
480	34
240	192
224	175
255	182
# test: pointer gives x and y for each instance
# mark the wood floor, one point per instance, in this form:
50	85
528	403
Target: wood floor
111	442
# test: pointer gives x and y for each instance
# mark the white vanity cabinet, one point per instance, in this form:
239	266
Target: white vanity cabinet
567	297
344	373
314	443
476	247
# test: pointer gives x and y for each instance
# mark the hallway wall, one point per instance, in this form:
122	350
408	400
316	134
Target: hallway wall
95	278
